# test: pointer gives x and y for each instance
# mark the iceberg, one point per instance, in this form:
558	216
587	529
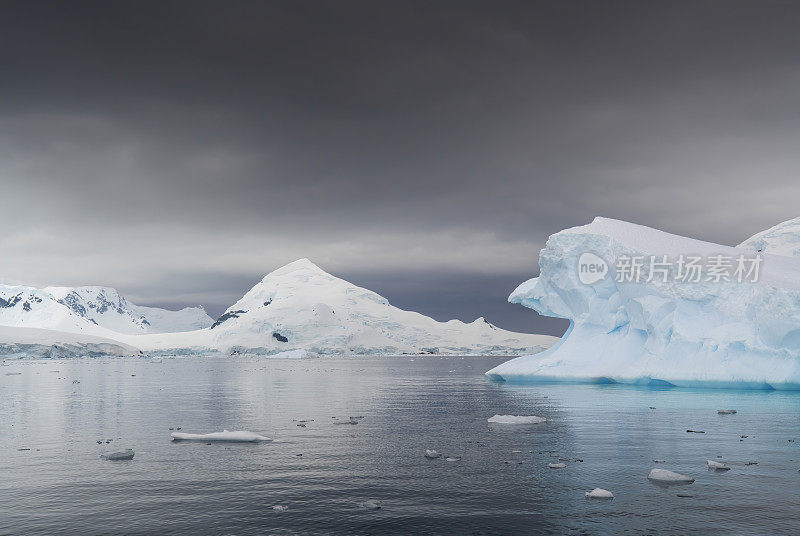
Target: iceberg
659	329
668	477
516	419
599	493
239	436
717	466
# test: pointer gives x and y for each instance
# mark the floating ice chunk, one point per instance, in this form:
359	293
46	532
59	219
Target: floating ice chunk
516	419
432	454
556	465
236	436
717	466
349	421
126	454
669	477
599	493
371	504
280	508
726	411
453	459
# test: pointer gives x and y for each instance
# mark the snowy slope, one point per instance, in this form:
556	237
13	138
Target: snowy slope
99	311
783	239
45	343
22	306
719	334
300	306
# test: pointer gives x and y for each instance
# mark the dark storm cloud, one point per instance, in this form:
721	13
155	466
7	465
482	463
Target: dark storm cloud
180	150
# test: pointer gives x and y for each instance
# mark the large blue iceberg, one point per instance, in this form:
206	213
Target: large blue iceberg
636	318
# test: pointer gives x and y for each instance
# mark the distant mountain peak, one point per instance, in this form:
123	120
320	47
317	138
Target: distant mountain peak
300	265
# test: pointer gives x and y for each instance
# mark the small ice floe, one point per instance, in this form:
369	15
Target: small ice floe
668	477
126	454
516	419
717	466
516	451
557	465
432	454
371	504
349	421
280	508
453	459
239	436
726	411
599	493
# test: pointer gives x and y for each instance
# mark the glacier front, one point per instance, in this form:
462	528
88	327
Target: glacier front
664	331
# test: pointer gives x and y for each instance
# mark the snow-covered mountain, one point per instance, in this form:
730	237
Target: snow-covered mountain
99	311
300	306
659	328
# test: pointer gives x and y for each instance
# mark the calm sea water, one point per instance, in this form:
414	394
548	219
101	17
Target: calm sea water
323	473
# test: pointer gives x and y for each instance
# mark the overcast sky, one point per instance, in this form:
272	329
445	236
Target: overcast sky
180	150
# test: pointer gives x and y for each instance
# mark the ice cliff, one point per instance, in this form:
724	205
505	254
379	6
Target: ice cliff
659	328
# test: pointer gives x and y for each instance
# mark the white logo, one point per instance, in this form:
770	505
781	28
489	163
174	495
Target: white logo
591	268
